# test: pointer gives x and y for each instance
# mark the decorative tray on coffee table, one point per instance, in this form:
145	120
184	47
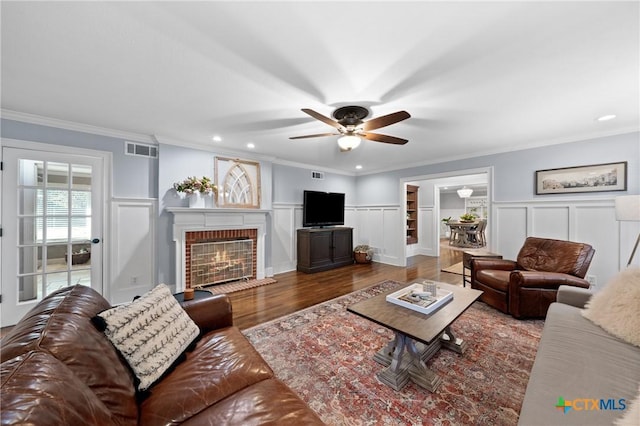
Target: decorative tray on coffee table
416	298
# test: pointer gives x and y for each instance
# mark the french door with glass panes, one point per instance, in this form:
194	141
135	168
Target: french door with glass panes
52	226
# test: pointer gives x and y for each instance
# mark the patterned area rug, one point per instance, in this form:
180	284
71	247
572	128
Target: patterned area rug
237	286
325	354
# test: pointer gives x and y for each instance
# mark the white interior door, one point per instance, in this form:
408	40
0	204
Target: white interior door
52	226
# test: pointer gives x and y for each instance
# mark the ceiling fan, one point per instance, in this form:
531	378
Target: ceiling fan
351	127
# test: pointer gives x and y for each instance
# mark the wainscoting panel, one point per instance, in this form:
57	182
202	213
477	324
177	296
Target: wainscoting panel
589	221
597	225
551	222
428	232
377	226
509	229
283	238
369	228
132	248
392	247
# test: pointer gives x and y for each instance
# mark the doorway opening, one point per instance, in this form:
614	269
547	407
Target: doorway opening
440	200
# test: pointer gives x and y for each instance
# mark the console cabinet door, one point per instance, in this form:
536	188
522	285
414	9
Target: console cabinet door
342	246
320	253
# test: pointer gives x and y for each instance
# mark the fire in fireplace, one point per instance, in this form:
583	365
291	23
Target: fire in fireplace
222	260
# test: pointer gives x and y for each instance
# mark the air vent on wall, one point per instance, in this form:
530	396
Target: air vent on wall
140	149
317	175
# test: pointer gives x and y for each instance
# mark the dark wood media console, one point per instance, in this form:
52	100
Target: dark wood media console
320	249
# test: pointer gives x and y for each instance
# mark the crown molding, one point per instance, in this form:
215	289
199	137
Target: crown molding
74	126
534	144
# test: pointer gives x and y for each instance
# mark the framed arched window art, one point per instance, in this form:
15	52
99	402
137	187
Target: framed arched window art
238	183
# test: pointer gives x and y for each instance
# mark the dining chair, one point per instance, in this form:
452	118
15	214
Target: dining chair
476	234
454	233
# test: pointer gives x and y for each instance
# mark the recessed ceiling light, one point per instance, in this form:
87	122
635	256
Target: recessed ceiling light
250	145
358	167
217	138
606	117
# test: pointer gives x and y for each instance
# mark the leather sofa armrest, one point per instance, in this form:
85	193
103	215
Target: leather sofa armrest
480	263
573	296
210	313
538	279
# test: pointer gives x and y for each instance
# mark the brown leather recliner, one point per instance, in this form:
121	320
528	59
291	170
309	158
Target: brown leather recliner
526	287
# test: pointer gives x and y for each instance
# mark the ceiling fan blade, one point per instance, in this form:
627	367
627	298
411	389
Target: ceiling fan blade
319	135
383	138
385	120
323	118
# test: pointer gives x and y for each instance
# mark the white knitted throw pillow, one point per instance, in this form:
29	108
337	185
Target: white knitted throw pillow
151	333
616	307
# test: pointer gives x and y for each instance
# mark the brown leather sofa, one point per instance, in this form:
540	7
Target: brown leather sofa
58	369
527	286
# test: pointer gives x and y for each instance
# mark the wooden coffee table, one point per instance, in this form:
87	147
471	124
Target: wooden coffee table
417	336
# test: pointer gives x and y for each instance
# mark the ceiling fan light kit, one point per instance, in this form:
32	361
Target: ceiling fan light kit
348	142
348	120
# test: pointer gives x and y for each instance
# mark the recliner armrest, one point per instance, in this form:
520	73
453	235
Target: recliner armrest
480	263
573	296
539	279
210	313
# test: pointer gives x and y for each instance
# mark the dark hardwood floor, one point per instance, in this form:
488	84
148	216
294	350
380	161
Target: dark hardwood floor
297	290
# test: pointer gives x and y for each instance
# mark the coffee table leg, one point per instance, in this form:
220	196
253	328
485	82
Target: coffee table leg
418	371
451	342
400	369
394	375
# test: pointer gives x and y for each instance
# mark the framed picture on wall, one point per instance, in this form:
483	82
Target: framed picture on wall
593	178
238	183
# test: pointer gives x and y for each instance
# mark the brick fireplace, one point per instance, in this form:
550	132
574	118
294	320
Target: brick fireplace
192	227
218	256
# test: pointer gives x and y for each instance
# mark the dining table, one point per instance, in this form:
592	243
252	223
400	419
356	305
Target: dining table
459	235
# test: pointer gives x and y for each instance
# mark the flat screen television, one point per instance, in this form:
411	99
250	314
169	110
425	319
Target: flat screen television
322	209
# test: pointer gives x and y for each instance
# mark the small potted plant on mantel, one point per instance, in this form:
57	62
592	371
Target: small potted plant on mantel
363	253
194	188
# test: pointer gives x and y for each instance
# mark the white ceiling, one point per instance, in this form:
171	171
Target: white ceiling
477	77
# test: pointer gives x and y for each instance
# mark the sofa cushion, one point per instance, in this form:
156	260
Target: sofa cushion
269	402
38	389
578	359
222	363
151	333
494	278
61	325
616	307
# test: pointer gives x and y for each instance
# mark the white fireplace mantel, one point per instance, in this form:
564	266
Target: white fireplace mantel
187	219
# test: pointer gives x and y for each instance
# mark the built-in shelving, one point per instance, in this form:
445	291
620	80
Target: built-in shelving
412	214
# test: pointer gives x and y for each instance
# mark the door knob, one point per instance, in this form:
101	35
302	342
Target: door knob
95	241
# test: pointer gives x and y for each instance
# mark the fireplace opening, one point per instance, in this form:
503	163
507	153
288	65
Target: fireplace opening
221	260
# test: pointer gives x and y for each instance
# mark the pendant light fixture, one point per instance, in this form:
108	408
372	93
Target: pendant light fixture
465	192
